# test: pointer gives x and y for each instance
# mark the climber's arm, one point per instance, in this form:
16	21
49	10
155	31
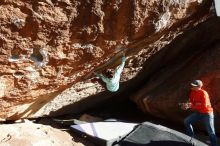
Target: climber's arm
104	79
120	68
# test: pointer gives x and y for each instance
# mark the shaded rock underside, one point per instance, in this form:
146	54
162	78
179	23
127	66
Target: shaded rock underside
194	55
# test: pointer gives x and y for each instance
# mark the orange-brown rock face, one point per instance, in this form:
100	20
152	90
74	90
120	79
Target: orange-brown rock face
195	55
48	45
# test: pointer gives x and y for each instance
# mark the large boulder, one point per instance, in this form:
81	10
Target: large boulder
48	46
194	55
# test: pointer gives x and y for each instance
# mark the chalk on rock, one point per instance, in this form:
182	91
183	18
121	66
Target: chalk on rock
19	23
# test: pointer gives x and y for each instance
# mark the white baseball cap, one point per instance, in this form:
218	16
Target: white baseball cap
197	83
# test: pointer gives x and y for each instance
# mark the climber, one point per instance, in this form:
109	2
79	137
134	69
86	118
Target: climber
112	83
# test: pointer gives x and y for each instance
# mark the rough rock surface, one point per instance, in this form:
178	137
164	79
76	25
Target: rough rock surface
195	55
47	46
28	134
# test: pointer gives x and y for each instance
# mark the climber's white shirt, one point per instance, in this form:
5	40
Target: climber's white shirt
112	84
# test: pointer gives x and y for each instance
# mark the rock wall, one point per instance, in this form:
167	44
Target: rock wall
194	55
47	46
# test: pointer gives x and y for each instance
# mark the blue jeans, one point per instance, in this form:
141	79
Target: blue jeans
208	121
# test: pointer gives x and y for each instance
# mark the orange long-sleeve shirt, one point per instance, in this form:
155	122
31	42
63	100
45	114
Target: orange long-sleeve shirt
200	101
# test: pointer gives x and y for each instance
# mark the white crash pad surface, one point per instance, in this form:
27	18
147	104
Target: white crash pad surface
217	7
105	130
